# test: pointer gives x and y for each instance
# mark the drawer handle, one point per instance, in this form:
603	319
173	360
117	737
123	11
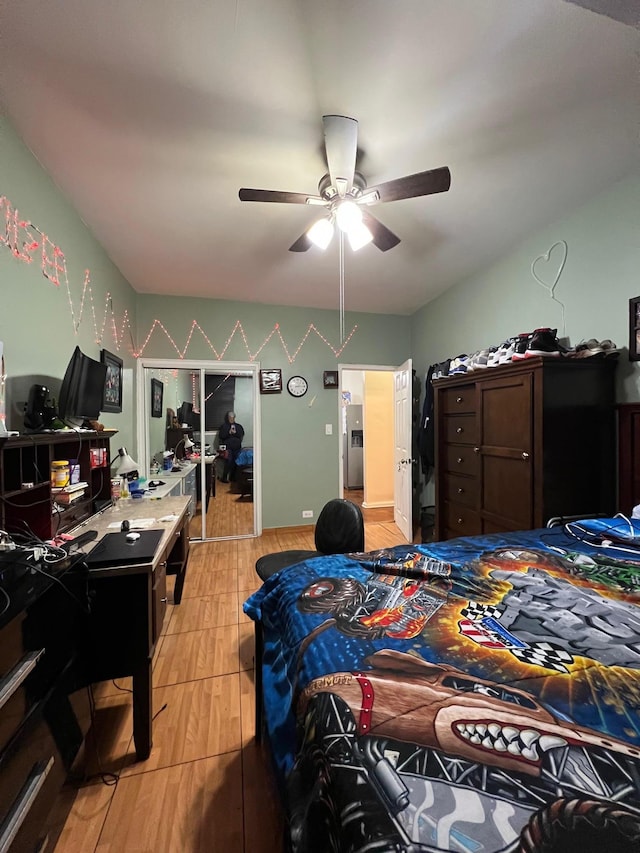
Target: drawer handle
525	455
460	430
460	460
476	450
22	805
18	674
461	491
461	520
164	600
459	399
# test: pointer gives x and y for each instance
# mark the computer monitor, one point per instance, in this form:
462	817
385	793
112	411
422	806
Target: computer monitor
82	390
185	414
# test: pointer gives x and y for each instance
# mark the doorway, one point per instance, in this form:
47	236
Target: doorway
372	474
182	407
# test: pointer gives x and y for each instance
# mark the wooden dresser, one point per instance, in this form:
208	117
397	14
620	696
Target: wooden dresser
522	443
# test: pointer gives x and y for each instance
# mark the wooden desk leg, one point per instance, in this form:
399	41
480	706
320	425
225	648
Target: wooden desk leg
177	589
142	711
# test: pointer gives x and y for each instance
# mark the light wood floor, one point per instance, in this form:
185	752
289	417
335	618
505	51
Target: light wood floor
207	787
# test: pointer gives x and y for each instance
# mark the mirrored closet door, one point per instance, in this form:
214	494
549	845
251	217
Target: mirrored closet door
197	431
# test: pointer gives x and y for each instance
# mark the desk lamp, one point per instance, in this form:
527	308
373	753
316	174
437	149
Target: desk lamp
188	445
127	467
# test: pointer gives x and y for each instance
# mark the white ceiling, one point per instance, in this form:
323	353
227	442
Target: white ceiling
151	114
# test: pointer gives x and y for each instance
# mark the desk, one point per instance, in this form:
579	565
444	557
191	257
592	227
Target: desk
128	605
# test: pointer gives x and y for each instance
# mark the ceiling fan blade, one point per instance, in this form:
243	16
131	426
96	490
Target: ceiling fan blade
412	186
341	144
383	238
302	244
278	196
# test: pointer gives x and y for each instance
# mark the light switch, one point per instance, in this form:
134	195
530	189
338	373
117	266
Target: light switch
328	429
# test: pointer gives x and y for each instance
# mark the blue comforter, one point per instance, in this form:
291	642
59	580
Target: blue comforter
481	694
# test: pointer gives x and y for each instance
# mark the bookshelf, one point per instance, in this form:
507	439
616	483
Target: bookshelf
26	499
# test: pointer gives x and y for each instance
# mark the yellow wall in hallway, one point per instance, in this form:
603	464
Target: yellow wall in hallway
378	438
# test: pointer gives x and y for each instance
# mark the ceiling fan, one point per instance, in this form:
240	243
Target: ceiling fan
344	193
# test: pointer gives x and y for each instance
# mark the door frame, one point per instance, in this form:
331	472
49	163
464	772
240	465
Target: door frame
252	367
366	367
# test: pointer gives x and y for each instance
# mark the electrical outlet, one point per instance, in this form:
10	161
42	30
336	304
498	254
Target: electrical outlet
328	429
307	513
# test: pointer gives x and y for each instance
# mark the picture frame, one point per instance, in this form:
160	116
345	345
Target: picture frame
271	381
330	379
634	329
112	393
157	390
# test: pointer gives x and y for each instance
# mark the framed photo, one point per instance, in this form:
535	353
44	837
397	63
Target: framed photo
271	381
634	329
112	395
157	389
330	379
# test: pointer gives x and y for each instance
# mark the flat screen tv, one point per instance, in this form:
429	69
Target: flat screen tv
82	390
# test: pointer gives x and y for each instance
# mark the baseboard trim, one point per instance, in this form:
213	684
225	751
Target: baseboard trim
376	504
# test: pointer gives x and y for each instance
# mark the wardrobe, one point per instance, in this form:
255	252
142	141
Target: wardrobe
522	443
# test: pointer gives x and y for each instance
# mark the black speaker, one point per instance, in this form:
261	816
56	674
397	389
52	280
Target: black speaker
38	412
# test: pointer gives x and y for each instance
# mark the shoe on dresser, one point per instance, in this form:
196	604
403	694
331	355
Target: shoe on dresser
543	342
520	344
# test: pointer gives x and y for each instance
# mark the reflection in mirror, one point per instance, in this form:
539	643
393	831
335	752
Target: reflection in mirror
228	434
170	446
200	436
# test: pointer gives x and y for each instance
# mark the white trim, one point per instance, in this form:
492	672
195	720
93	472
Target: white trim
377	504
248	368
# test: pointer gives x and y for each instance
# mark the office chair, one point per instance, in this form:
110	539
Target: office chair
339	530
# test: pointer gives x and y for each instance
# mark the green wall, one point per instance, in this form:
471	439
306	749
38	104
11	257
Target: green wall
299	462
300	469
36	324
601	274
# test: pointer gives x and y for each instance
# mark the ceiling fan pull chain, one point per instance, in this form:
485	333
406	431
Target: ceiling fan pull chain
341	300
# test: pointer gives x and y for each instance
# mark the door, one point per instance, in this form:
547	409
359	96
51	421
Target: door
193	401
506	452
402	508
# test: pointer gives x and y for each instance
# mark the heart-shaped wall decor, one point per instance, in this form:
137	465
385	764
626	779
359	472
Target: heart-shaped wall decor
546	270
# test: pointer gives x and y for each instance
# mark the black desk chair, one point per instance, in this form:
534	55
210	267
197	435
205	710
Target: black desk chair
339	530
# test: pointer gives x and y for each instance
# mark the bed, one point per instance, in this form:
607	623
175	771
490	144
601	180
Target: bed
480	694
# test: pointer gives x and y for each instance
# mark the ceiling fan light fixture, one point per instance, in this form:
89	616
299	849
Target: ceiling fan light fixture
321	233
348	214
359	235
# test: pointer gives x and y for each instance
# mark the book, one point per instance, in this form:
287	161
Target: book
66	498
68	490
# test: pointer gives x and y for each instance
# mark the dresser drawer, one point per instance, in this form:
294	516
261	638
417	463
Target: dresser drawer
461	459
31	774
461	521
461	399
461	490
460	429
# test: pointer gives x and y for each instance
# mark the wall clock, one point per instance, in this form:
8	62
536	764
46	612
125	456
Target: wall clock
297	386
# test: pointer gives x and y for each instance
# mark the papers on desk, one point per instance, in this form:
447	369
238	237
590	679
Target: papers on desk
136	523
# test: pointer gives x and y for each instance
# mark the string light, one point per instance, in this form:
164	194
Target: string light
24	239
